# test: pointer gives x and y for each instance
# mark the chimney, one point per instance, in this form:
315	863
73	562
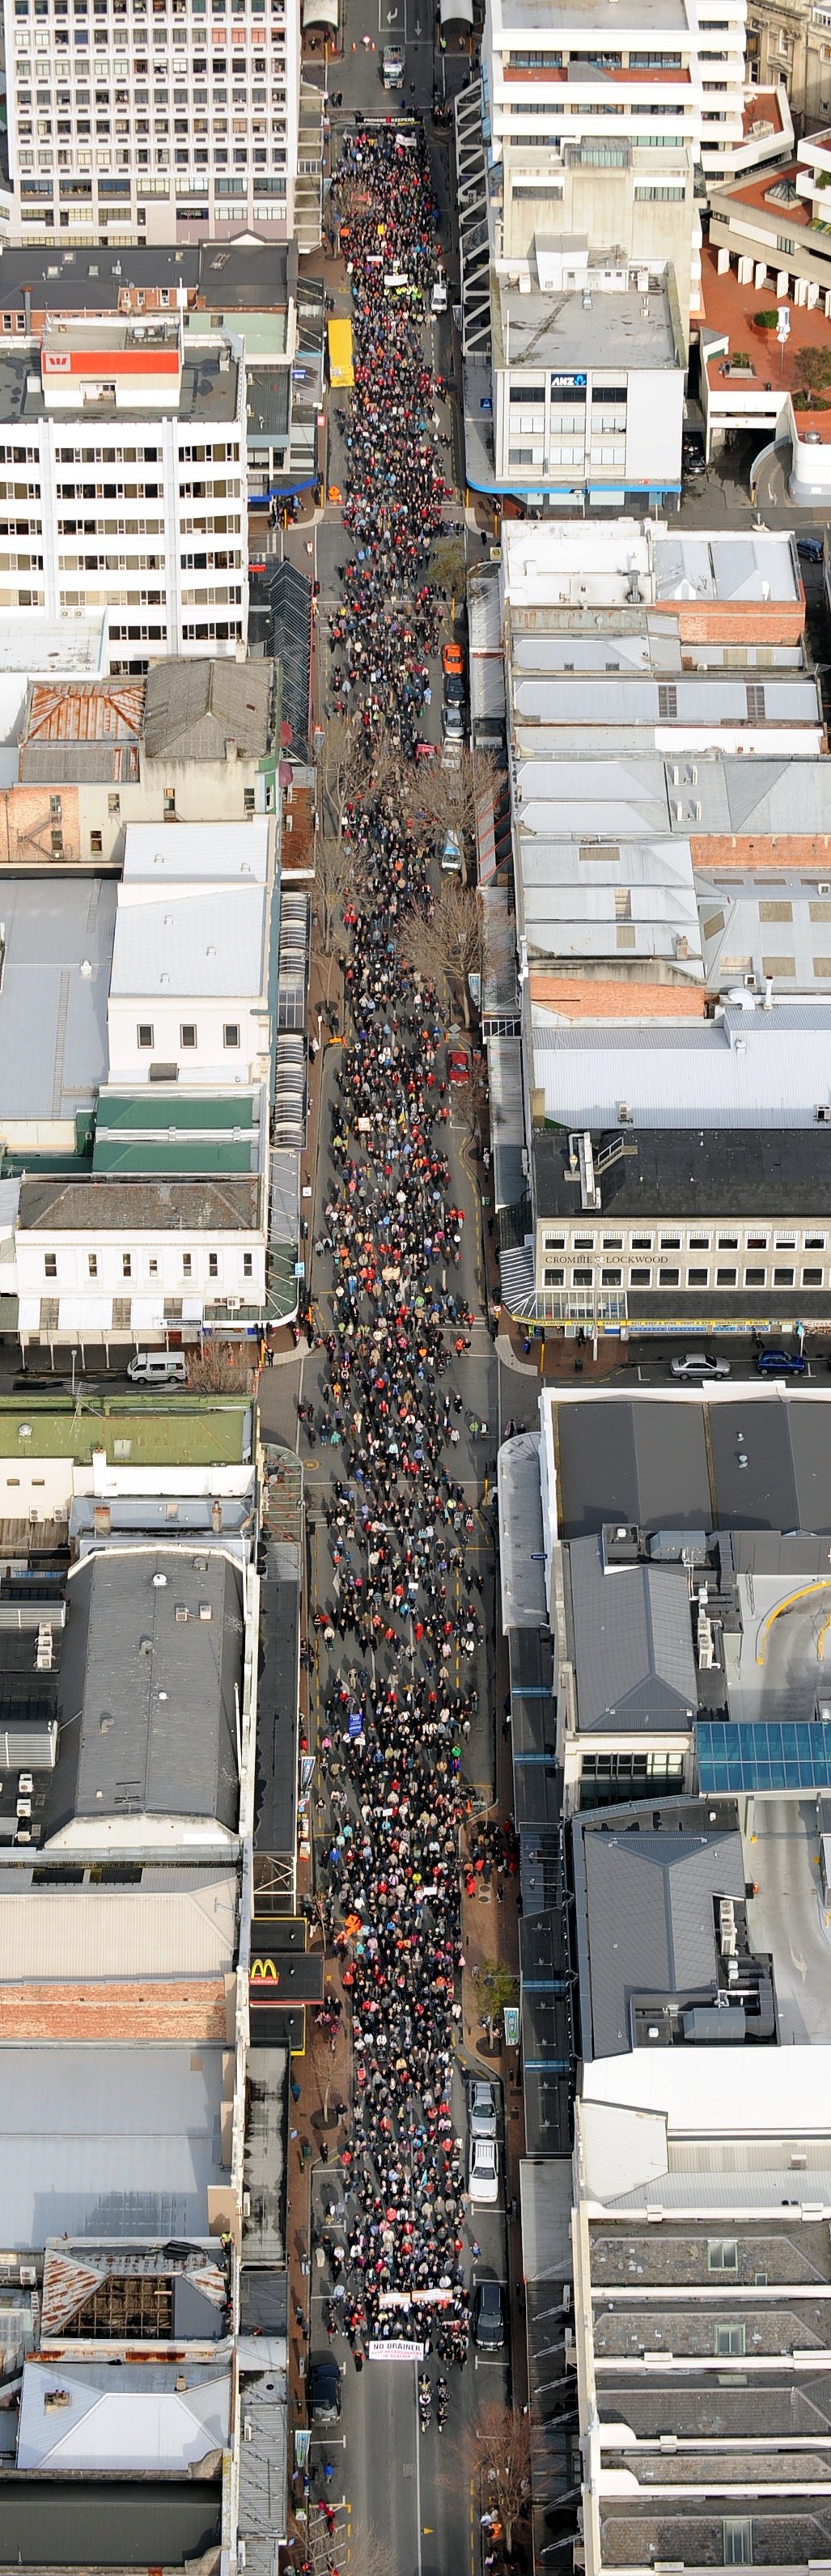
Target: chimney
538	1107
102	1520
230	747
216	1519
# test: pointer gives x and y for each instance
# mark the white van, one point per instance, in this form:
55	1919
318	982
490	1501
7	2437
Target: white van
158	1368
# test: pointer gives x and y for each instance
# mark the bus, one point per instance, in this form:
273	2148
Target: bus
341	371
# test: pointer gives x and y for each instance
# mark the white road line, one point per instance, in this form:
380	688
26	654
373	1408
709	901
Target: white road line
418	2439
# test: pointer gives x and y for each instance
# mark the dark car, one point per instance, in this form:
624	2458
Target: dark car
324	2391
694	464
782	1364
810	549
489	2322
454	690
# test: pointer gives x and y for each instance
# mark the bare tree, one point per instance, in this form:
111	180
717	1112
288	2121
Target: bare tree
340	878
498	2450
449	944
453	800
352	767
448	562
220	1368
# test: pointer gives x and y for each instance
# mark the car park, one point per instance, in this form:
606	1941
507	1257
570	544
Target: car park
324	2387
482	2110
488	2317
776	1363
483	2171
697	1365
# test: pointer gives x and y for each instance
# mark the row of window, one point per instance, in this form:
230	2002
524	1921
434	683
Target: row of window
50	1265
747	1240
610	1275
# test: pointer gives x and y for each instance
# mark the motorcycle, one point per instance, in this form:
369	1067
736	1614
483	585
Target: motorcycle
425	2401
441	2405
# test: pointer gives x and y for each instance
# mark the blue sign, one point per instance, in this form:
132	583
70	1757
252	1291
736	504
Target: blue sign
562	381
486	403
356	1723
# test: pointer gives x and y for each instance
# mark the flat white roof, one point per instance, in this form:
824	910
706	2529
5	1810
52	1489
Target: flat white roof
47	648
720	2090
583	564
746	1069
232	851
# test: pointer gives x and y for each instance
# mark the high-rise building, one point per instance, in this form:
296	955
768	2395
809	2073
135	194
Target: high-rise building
655	76
123	484
158	121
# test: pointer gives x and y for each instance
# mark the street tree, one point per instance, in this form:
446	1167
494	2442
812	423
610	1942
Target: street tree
498	2449
454	800
448	944
497	1987
349	769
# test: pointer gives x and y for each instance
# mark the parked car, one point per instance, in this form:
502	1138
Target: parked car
453	724
776	1363
483	2171
452	662
697	1365
694	465
452	862
458	1065
488	2320
454	690
810	549
324	2390
482	2110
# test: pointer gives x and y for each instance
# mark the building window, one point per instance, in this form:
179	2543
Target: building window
754	1278
729	2339
783	1278
126	1265
248	1265
812	1278
213	1265
93	1264
722	2254
738	2540
667	1278
581	1278
699	1243
611	1278
727	1242
248	800
187	1033
726	1278
612	1242
784	1242
639	1278
144	1033
755	702
697	1278
231	1033
50	1265
554	1278
96	845
815	1243
667	698
641	1242
670	1243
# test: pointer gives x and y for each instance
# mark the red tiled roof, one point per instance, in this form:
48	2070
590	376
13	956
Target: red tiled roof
762	109
593	997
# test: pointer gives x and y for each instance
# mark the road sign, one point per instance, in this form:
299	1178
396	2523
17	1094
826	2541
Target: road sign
510	2020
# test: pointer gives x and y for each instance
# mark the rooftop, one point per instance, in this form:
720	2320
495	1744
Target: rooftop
60	644
750	927
647	1907
139	2132
229	1206
58	937
730	308
205	391
654	1462
644	797
154	1431
107	2419
237	273
721	1171
603	564
164	1131
151	1662
750	1067
562	331
83	732
59	1935
632	1645
208	710
145	2293
587	17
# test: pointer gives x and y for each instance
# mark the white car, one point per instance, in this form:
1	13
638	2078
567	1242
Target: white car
482	2111
483	2177
697	1365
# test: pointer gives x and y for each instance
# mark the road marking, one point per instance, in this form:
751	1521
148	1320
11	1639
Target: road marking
417	2464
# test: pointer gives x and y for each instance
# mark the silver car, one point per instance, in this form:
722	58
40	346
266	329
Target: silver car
481	2111
698	1365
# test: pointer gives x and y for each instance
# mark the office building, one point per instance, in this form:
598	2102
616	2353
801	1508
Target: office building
128	123
133	495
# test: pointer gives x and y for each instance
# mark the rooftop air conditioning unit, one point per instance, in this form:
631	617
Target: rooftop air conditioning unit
624	1113
28	2276
824	1114
824	889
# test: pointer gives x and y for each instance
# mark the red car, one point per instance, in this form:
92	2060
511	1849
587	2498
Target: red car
458	1065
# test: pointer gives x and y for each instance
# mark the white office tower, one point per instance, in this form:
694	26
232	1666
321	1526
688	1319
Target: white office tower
125	486
651	73
158	121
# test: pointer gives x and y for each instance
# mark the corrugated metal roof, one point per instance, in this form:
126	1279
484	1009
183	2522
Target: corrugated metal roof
76	2275
708	698
102	711
202	942
750	1068
139	2132
203	853
100	2418
650	1920
192	709
521	1542
53	1013
262	2470
150	1694
633	1648
56	1936
783	930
